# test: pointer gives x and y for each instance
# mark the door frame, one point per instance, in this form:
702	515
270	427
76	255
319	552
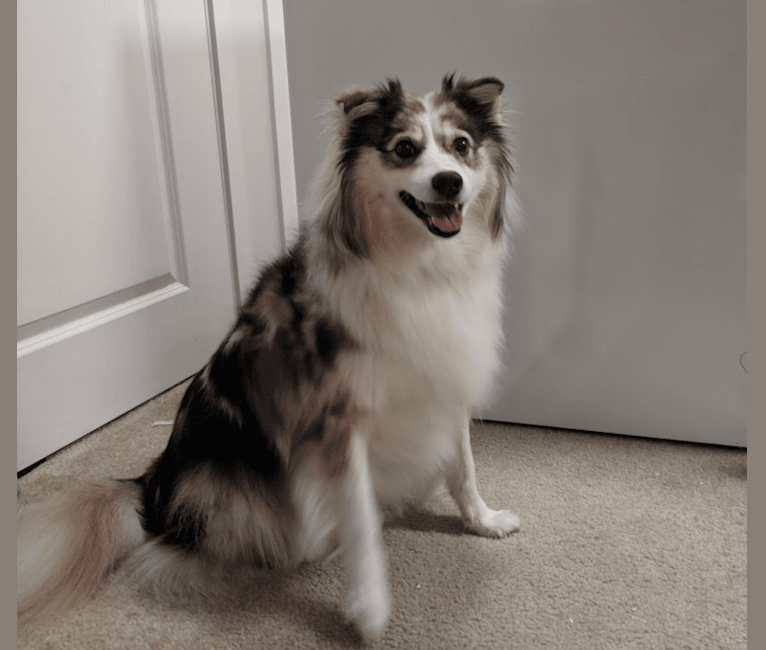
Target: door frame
261	23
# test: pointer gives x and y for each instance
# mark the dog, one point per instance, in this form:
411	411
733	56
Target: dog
345	388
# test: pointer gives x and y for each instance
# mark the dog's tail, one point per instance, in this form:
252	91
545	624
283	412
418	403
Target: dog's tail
67	545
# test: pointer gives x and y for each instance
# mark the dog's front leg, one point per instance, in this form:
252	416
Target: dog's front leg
369	600
461	479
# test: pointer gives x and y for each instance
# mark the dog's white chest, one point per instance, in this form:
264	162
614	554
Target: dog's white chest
477	327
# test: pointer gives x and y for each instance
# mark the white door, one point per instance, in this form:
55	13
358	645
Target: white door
127	273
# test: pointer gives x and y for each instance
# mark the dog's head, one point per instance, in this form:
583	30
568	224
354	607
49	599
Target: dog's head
409	166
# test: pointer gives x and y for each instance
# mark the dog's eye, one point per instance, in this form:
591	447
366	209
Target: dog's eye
405	149
461	145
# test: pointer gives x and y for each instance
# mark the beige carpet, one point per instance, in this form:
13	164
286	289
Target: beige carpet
625	543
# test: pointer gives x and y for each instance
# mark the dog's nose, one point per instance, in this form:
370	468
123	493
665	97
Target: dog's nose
448	184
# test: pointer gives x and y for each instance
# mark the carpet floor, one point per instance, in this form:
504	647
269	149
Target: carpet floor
625	543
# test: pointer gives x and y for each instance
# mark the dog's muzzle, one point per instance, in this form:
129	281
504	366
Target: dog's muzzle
443	218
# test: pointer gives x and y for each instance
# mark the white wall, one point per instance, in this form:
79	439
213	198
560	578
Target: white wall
627	292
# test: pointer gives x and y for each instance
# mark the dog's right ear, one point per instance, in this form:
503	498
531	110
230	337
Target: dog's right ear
356	103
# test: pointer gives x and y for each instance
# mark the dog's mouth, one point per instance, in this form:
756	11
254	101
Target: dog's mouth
442	219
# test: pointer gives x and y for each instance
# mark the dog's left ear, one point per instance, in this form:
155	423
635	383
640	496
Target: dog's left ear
485	93
488	91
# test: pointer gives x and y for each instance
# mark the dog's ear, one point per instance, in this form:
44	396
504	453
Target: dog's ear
485	93
488	91
356	102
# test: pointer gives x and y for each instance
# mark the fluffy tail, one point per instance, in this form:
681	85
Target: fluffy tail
67	545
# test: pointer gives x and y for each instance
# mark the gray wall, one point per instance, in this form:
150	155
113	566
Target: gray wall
627	291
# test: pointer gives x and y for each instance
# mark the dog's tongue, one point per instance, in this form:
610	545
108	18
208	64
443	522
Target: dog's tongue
445	216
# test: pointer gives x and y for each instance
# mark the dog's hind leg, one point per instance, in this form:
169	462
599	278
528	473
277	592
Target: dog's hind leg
461	480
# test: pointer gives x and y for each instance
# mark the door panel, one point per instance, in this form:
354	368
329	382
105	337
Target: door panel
125	247
87	159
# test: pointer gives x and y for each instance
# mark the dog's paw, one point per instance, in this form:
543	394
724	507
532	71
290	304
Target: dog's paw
369	609
495	523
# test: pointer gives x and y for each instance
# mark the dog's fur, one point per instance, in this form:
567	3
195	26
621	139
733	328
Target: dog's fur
345	386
